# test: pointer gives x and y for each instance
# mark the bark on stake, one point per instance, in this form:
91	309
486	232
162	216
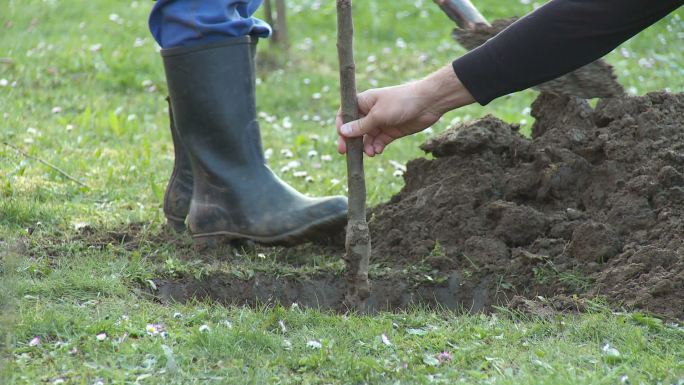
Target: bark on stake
358	237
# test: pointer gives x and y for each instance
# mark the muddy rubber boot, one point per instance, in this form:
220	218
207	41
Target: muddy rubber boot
179	190
235	195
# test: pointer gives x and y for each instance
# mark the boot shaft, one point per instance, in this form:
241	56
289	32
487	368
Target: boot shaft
212	90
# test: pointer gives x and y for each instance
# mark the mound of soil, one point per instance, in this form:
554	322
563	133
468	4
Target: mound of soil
592	205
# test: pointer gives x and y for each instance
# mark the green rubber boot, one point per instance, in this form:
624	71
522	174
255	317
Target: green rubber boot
235	195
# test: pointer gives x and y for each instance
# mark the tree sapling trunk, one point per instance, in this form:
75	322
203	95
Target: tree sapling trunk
357	243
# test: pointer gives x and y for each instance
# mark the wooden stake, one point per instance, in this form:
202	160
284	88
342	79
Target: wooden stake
357	243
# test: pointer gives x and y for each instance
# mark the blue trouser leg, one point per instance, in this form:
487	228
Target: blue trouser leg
187	22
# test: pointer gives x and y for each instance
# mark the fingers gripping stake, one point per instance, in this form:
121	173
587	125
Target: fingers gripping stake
358	237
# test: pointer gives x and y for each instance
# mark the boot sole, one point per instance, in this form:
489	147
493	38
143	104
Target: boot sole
316	231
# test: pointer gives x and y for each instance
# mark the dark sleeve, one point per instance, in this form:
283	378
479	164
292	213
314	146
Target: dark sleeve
555	39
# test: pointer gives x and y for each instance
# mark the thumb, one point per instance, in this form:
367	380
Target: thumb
358	127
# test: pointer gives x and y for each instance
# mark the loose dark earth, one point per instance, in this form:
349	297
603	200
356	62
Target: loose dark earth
592	206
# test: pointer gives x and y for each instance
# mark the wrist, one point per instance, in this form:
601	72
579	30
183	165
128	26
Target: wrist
444	91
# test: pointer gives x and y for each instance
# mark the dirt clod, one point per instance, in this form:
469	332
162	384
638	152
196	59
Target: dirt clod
594	242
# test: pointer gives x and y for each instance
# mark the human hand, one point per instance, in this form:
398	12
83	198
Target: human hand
387	114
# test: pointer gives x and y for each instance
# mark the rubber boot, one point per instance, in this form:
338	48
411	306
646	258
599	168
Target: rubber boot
179	190
235	195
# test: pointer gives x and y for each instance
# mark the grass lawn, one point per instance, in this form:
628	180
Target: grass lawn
82	89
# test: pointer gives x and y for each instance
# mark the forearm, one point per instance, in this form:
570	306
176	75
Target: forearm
557	38
443	91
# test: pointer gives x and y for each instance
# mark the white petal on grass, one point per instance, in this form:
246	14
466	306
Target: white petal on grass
177	315
286	152
610	351
204	328
287	345
4	82
385	340
101	336
416	332
314	344
326	158
397	165
35	341
312	154
154	329
282	326
228	324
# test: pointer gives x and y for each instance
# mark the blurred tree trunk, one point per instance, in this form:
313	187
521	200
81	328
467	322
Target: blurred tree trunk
281	24
278	23
268	12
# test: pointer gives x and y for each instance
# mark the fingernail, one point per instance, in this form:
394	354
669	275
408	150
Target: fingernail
346	129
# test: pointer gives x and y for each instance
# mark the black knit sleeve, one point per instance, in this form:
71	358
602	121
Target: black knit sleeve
555	39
